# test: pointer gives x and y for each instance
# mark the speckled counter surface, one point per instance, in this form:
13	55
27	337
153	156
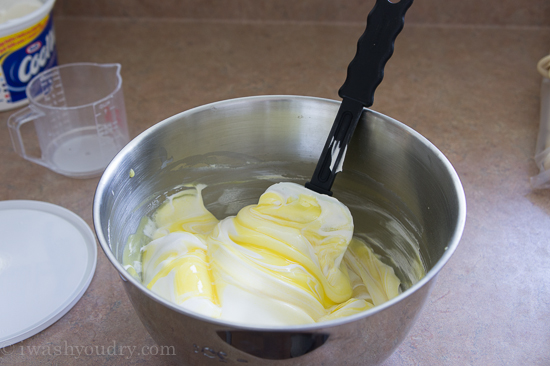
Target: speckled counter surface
473	91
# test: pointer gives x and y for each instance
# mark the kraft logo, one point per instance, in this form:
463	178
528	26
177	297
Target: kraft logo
33	47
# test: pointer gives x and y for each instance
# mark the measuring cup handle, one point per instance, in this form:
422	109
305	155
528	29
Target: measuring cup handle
15	122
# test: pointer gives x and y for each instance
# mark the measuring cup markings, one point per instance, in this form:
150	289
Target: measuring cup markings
58	95
49	83
108	120
60	119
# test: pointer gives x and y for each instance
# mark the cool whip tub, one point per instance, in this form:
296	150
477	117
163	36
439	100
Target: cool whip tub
27	47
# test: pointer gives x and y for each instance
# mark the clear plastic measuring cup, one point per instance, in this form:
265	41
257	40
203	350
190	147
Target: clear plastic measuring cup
79	117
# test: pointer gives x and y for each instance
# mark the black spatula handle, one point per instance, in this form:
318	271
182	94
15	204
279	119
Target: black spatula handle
374	49
365	72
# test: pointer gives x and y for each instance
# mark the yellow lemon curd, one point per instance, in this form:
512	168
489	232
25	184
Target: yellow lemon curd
290	259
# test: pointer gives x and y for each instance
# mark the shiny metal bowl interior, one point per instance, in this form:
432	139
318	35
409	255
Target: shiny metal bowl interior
398	186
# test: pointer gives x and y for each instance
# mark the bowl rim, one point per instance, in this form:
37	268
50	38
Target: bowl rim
430	275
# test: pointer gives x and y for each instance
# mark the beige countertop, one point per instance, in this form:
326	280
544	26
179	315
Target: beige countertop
471	90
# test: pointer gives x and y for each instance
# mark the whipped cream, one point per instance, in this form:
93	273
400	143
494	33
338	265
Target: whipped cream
290	259
10	9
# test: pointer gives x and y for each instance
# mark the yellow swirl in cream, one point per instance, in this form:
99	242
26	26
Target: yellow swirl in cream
290	259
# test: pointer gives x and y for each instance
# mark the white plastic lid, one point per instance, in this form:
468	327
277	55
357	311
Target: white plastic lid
48	257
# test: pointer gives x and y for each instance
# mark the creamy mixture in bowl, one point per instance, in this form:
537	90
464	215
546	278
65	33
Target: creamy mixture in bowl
289	259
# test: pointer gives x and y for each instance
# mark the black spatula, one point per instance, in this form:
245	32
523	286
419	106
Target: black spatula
365	72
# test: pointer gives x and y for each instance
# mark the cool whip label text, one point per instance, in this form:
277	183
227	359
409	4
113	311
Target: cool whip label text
31	65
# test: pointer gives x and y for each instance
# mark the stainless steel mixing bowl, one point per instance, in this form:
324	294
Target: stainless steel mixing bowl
406	199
